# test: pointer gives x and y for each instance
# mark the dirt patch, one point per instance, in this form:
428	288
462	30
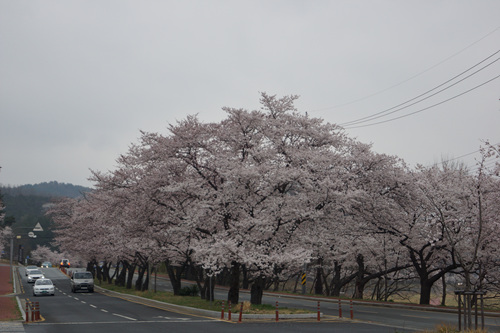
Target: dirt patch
5	286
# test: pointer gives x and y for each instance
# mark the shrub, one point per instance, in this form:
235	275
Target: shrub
189	291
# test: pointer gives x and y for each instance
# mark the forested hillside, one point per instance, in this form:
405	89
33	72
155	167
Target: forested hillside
25	206
46	189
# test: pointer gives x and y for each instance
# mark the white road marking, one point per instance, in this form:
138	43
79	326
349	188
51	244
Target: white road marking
119	315
76	298
412	316
104	310
170	318
95	307
136	321
84	302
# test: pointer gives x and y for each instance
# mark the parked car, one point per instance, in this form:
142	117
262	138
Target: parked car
65	263
82	281
34	274
46	264
43	286
30	267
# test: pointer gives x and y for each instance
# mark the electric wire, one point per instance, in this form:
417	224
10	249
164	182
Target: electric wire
487	165
410	78
386	111
456	158
426	108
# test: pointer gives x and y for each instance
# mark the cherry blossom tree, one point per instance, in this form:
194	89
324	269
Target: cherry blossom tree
262	192
465	207
44	253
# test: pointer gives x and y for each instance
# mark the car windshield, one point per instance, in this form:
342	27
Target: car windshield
43	282
85	275
35	271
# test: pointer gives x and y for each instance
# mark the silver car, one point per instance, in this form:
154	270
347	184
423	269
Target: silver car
34	274
82	281
43	287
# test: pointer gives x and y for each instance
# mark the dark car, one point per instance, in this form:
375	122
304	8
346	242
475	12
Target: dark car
65	263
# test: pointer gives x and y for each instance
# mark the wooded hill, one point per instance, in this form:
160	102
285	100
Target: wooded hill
24	207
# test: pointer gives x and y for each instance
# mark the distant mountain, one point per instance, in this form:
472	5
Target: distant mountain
50	189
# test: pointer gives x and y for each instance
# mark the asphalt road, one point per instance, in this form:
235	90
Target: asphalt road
98	312
399	318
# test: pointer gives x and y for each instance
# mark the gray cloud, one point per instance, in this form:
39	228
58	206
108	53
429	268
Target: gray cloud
79	79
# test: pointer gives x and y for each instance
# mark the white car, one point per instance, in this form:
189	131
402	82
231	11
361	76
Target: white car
34	274
30	267
43	287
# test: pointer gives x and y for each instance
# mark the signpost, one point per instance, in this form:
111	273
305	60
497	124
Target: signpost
303	280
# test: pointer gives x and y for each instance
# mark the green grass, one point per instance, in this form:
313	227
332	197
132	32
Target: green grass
197	302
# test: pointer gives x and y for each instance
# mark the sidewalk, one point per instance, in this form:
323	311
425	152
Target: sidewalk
8	302
10	316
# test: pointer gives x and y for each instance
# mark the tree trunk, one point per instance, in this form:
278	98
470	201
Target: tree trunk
246	282
122	276
130	275
425	291
174	278
359	286
336	285
296	284
145	285
209	288
201	280
318	287
257	290
234	284
140	277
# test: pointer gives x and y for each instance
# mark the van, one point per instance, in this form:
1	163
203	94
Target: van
82	281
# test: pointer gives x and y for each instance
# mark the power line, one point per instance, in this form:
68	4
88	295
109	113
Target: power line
426	108
410	78
456	158
386	111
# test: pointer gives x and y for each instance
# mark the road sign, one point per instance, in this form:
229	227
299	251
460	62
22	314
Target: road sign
303	281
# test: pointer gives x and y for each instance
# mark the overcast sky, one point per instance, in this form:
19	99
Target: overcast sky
79	80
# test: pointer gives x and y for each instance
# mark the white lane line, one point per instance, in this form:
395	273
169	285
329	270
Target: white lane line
76	298
118	315
104	310
84	302
95	307
412	316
